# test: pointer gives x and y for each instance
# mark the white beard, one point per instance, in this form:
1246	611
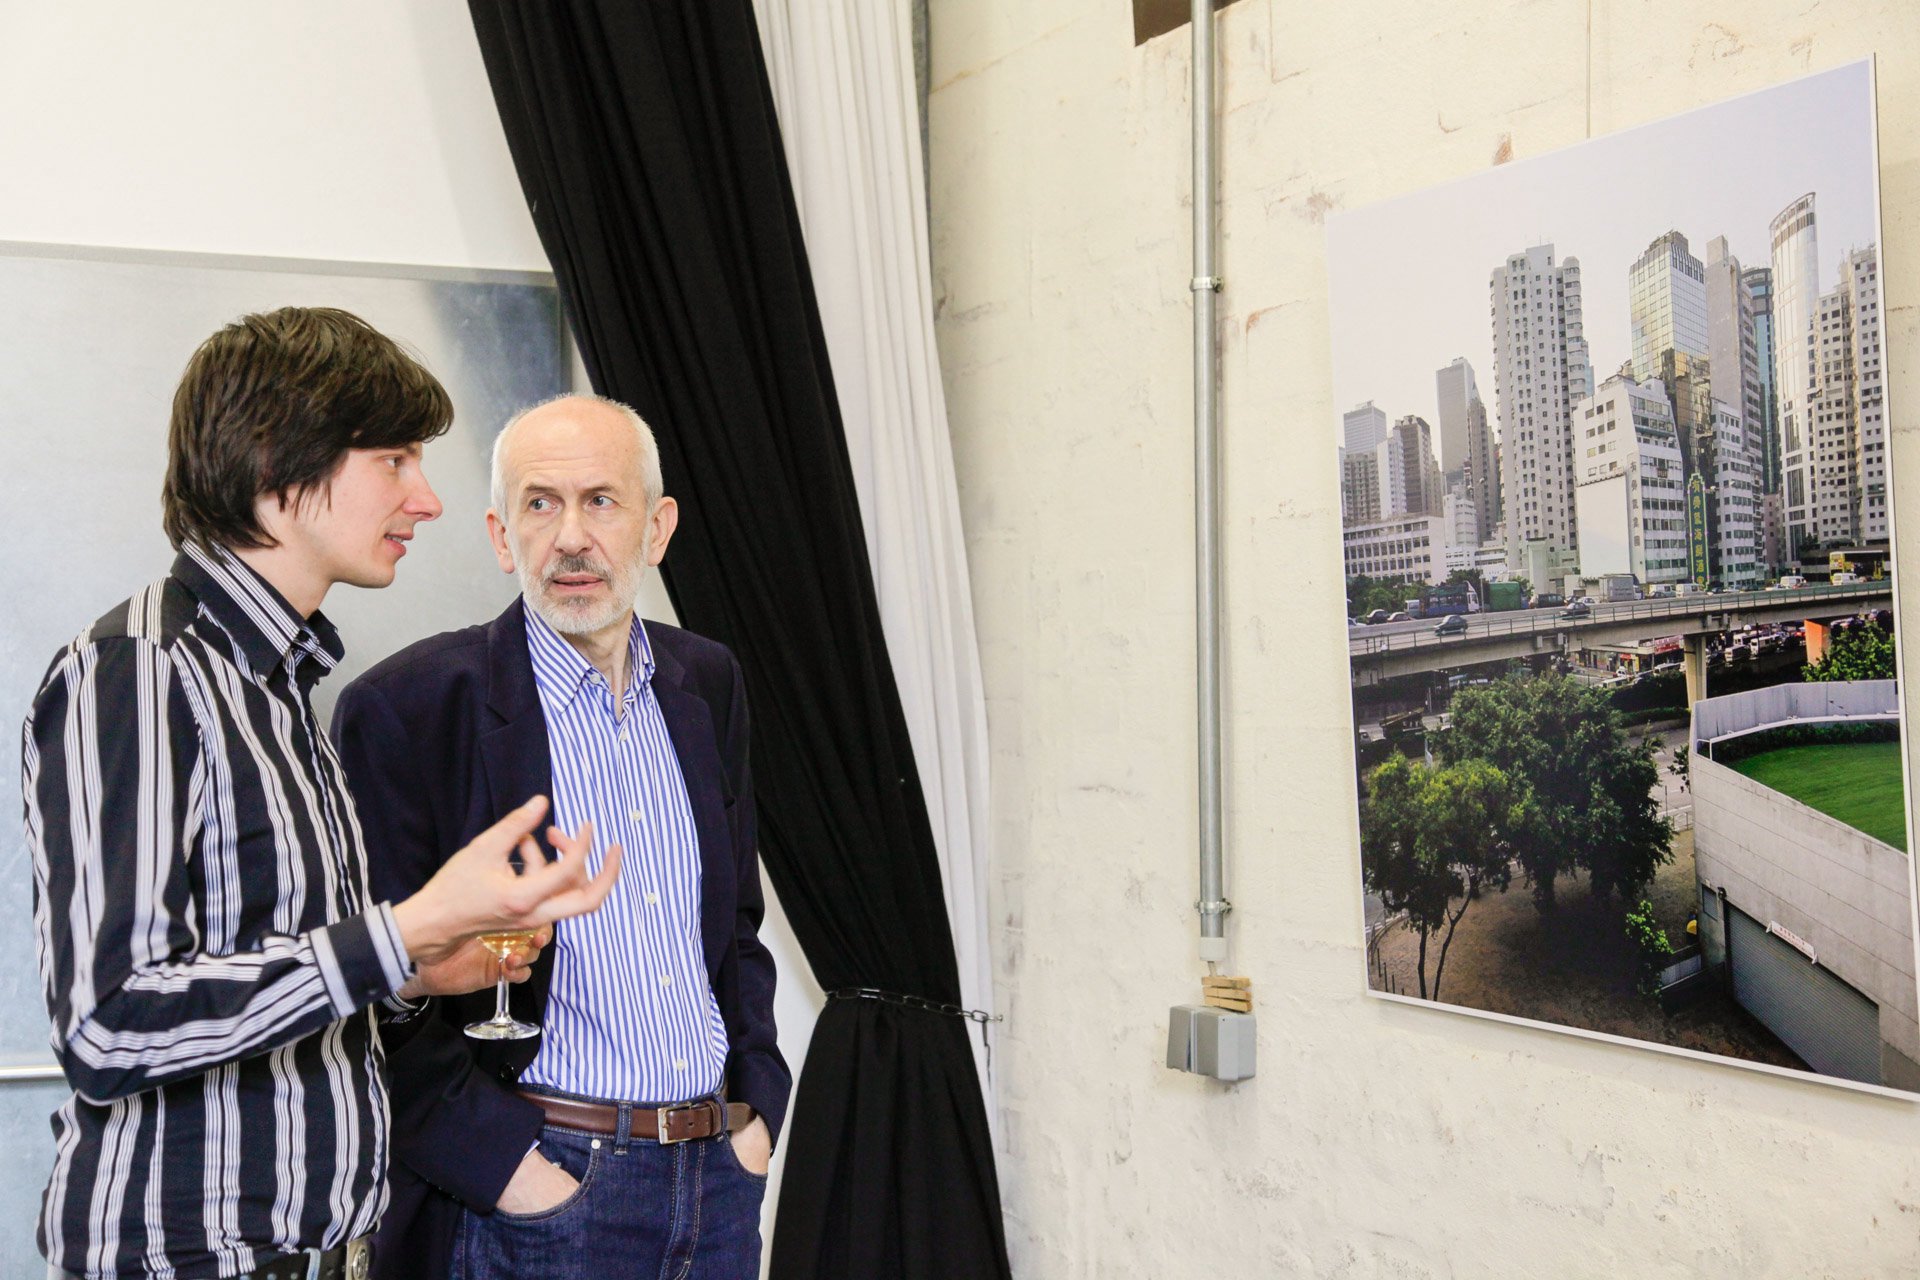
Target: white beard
581	617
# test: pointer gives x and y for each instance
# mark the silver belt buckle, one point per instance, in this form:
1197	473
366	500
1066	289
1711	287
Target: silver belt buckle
663	1130
359	1258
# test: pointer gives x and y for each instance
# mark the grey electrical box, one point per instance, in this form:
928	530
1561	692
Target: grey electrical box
1210	1042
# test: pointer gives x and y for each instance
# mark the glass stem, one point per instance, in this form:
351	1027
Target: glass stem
500	1013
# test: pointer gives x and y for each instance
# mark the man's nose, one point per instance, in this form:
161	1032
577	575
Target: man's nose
571	536
424	503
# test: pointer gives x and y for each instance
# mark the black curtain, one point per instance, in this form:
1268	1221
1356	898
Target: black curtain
645	138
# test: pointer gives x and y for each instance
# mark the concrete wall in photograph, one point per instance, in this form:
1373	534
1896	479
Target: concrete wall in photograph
1785	703
1845	893
1377	1139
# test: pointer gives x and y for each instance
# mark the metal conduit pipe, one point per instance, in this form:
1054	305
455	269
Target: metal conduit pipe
31	1073
1205	285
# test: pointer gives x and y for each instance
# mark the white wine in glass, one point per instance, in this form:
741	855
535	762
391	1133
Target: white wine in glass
502	1025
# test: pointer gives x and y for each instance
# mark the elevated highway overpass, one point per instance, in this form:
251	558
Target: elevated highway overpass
1395	649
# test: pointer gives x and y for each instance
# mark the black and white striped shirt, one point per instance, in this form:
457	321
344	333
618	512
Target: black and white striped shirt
207	951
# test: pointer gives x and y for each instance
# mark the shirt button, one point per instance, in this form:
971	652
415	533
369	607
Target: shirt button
666	979
633	815
679	1064
653	899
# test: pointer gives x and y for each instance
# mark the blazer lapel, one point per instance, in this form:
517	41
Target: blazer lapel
690	726
514	751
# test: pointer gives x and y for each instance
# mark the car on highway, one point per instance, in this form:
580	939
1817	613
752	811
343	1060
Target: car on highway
1578	609
1375	618
1402	616
1454	624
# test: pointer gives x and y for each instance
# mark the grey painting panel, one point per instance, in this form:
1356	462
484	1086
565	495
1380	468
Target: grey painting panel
93	345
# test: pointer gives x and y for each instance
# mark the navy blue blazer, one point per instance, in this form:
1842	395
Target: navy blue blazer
440	741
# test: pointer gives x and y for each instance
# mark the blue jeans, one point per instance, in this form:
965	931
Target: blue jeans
688	1211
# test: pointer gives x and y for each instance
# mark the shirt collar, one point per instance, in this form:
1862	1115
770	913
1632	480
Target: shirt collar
268	630
560	671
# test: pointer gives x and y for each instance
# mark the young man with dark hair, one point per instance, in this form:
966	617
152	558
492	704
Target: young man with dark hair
211	957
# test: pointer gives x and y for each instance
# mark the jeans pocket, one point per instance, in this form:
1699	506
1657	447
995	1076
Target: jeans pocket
581	1160
732	1158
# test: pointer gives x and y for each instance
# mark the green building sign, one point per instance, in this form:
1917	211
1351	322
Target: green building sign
1697	528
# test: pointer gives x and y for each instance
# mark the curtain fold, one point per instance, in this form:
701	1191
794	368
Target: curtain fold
842	77
646	140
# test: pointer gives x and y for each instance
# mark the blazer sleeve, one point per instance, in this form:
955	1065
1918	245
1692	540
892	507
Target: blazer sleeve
757	1074
456	1126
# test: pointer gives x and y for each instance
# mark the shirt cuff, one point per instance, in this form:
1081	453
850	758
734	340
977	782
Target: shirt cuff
361	960
399	1009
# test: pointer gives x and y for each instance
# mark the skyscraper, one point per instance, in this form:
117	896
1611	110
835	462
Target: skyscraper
1419	473
1758	283
1667	301
1796	292
1732	460
1372	474
1540	368
1467	453
1860	277
1846	411
1364	427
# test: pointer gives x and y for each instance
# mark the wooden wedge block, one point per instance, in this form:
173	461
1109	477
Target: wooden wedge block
1237	983
1238	1005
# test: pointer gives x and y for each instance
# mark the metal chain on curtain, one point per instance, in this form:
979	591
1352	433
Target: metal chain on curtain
647	143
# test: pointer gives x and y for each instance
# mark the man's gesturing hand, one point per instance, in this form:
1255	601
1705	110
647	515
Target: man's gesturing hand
478	891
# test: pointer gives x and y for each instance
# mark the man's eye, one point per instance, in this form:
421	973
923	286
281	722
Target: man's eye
539	504
602	500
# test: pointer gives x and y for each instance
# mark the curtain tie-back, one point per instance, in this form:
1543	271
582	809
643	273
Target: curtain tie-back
980	1016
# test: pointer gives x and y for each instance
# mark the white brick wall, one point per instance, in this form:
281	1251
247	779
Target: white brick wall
1377	1139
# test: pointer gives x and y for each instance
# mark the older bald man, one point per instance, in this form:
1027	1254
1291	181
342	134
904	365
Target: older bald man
631	1137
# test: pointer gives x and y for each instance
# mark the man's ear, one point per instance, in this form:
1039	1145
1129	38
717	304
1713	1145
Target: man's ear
497	534
660	526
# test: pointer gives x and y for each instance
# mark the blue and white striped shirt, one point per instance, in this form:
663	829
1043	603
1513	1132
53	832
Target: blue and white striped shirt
629	1016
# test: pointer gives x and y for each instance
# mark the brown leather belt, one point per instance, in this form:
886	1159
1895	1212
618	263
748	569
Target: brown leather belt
666	1125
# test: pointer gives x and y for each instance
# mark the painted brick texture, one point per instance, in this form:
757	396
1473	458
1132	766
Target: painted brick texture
1377	1140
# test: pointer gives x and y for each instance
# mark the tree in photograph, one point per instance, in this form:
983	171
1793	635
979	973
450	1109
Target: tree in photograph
1365	594
1652	945
1859	653
1431	840
1587	787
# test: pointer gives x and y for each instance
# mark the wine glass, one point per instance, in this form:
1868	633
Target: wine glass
502	1025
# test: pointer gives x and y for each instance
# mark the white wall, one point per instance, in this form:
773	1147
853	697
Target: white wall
1377	1139
356	130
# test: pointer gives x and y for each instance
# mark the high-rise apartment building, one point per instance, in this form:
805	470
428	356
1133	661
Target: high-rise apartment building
1667	303
1846	408
1540	368
1372	480
1631	497
1796	293
1419	474
1860	277
1468	458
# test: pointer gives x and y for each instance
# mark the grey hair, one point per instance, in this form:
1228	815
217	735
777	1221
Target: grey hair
650	481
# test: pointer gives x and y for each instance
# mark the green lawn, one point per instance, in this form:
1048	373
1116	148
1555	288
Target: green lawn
1856	782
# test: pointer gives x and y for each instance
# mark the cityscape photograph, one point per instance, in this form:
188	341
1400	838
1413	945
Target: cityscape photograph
1617	538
